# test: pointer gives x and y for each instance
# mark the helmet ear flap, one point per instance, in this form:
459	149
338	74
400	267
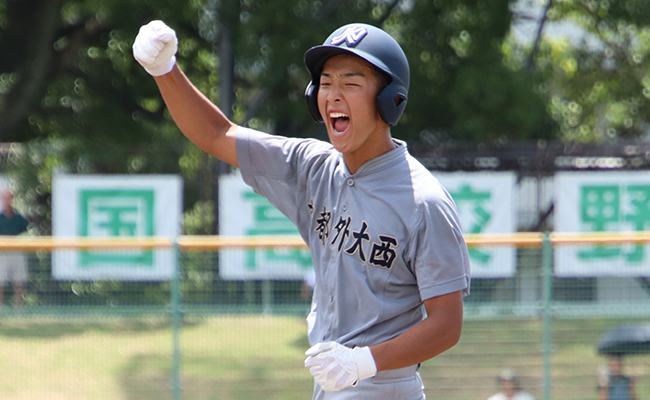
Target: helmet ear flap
311	96
391	103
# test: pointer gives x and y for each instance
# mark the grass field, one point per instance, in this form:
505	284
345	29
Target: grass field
253	357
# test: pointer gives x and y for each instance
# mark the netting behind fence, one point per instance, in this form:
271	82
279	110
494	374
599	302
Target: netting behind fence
198	335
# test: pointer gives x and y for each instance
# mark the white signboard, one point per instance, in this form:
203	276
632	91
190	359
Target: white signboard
597	202
485	205
116	206
244	213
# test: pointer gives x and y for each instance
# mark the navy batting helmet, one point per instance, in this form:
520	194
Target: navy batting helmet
376	47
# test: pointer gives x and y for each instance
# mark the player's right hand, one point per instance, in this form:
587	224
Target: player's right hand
155	48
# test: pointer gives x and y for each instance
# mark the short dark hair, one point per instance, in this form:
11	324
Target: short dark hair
384	78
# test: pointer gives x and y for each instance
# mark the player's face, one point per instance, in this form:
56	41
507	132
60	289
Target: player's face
346	100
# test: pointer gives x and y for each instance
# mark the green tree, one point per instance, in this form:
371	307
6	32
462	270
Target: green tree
71	91
462	88
598	82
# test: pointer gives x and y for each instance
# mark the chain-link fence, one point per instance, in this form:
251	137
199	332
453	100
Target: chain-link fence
197	335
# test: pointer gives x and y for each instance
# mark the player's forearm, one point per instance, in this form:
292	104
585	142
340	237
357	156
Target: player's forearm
414	346
197	117
437	333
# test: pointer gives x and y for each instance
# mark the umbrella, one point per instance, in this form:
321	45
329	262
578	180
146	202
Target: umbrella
627	339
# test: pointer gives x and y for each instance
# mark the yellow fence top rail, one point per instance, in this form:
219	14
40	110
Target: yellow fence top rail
34	243
600	237
528	239
219	242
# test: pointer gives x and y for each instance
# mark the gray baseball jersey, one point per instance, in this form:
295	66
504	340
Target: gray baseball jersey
382	240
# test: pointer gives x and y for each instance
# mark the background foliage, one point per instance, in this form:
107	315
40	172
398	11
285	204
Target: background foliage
74	98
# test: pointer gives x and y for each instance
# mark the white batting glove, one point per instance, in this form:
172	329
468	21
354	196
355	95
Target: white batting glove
335	367
155	48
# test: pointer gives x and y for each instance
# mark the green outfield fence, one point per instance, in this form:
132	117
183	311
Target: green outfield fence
199	336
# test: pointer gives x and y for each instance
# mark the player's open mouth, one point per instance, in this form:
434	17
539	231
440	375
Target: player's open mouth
340	121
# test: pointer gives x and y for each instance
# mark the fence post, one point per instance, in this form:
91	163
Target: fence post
177	316
547	312
267	297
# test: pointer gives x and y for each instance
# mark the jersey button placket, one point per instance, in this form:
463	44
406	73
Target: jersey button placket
350	183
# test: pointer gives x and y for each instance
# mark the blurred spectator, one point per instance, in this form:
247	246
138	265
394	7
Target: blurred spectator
614	384
13	265
509	386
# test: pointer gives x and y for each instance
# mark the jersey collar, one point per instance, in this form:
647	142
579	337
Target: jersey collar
381	162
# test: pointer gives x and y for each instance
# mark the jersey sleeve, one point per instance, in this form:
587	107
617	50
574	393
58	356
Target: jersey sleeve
277	167
440	258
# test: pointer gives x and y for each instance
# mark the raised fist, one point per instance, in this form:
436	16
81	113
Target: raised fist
155	48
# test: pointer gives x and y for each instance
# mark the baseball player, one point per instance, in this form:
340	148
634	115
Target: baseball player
389	256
